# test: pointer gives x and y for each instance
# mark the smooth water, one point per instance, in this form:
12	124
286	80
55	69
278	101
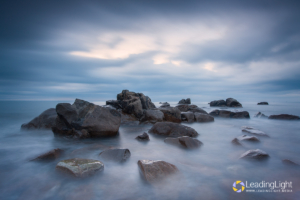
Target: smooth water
205	173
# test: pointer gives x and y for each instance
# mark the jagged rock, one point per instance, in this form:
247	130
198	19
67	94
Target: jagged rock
231	102
190	108
229	114
236	141
80	167
114	103
217	103
289	162
116	155
172	129
184	141
50	155
285	117
260	115
200	117
185	101
254	131
153	171
255	154
171	114
143	137
152	116
248	138
165	104
187	116
263	103
45	120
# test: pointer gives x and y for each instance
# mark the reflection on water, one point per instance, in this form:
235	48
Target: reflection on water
205	173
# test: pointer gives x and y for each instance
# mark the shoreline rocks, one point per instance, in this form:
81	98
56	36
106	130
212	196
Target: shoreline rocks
230	114
45	120
284	117
172	129
254	154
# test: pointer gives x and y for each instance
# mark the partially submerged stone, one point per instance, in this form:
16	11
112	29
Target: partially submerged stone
152	116
254	131
284	117
45	120
143	137
185	101
255	154
80	167
187	117
230	114
116	155
171	114
190	108
263	103
231	102
217	103
172	129
260	115
50	155
289	162
235	141
200	117
184	141
248	138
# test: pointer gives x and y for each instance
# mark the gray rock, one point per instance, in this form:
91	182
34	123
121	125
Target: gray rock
200	117
185	141
114	103
116	155
263	103
82	107
235	141
260	115
128	119
143	137
231	102
230	114
80	167
153	171
190	108
171	114
172	129
165	104
284	117
67	113
45	120
50	155
217	103
187	116
185	101
255	154
152	116
289	162
254	131
248	138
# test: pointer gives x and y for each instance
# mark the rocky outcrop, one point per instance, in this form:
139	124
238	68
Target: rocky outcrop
172	129
230	114
152	116
190	108
263	103
184	141
50	155
185	101
143	137
153	171
45	120
284	117
116	155
254	131
171	114
231	102
217	103
260	115
80	167
200	117
187	117
255	154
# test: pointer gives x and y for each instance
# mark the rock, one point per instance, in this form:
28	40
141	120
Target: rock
185	101
229	114
254	131
236	141
200	117
45	120
67	113
50	155
231	102
248	138
80	167
116	155
190	108
165	104
263	103
128	119
217	103
82	107
143	137
187	116
172	129
185	141
114	103
285	117
255	154
162	102
171	114
152	116
289	162
260	115
153	171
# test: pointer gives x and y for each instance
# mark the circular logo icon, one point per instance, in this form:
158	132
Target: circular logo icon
238	186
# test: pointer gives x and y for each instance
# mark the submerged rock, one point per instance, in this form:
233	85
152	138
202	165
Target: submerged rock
229	114
80	167
153	171
143	137
185	101
285	117
45	120
184	141
190	108
152	116
116	155
200	117
289	162
255	154
171	114
236	141
248	138
217	103
50	155
231	102
260	115
254	131
263	103
172	129
187	117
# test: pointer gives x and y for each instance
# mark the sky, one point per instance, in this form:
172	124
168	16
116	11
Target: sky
168	50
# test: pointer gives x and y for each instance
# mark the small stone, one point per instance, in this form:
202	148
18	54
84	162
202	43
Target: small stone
143	137
255	154
50	155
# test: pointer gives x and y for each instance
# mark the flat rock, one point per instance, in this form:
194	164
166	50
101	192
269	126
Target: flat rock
152	116
255	154
254	131
185	101
184	141
284	117
172	129
200	117
153	171
230	114
260	115
263	103
143	137
80	167
171	114
45	120
190	108
187	117
116	155
50	155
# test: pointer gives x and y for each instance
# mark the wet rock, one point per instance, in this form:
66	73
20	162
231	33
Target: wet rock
190	108
263	103
289	162
255	154
217	103
254	131
114	103
116	155
152	116
172	129
230	114
143	137
185	141
153	171
45	120
187	117
50	155
164	104
236	141
231	102
185	101
171	114
284	117
200	117
248	138
80	167
260	115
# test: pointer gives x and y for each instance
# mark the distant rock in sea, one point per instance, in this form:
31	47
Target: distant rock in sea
263	103
230	114
284	117
230	102
185	101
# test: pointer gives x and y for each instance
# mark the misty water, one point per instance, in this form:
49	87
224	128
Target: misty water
205	173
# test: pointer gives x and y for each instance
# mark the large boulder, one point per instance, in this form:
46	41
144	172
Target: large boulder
260	115
184	141
284	117
172	129
153	171
263	103
217	103
116	155
254	131
80	167
230	114
200	117
231	102
171	114
50	155
185	101
152	116
190	108
45	120
187	117
255	154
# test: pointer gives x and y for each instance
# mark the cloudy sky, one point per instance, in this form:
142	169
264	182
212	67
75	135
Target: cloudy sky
168	50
